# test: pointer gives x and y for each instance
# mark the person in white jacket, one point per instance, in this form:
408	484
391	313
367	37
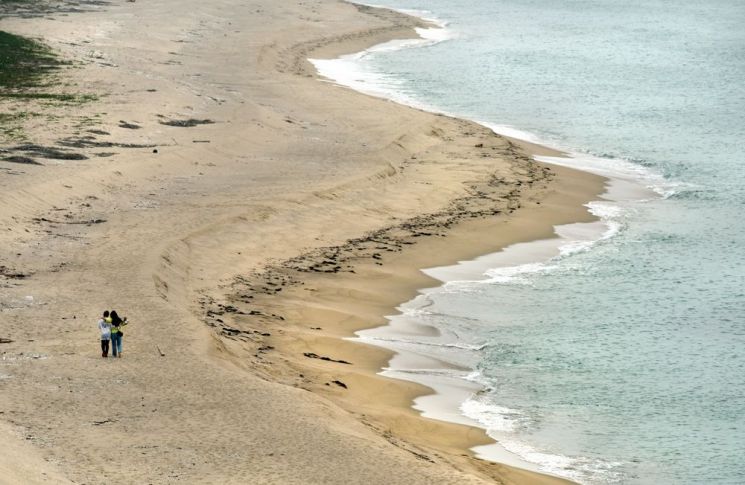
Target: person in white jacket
104	325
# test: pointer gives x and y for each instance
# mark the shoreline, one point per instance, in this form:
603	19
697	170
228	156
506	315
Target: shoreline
341	305
483	449
441	360
368	196
509	467
412	359
426	368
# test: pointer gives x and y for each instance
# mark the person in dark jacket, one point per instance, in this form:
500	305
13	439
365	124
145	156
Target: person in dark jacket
117	324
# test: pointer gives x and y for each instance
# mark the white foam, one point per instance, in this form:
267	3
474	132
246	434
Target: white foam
512	132
575	468
535	257
491	416
511	274
502	423
620	170
415	311
352	71
613	168
425	15
499	268
445	345
435	35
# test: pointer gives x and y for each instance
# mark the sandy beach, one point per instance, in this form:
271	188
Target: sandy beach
246	217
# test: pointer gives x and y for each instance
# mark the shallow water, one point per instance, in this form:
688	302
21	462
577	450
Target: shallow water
621	358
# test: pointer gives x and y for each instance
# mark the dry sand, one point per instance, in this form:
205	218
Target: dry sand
232	245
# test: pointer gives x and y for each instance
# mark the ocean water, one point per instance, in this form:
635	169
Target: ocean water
616	352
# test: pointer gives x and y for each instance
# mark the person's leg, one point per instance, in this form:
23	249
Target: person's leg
114	338
119	344
104	348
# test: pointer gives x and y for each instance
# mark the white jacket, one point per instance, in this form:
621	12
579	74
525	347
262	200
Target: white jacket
105	328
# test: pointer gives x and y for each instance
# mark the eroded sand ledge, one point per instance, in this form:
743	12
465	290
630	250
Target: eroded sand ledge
296	183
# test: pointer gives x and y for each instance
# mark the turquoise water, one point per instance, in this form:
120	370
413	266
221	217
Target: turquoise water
623	363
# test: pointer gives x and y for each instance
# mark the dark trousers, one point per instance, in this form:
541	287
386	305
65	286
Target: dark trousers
104	348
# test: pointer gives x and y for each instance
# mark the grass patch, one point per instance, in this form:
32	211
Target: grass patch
10	125
63	98
17	116
28	72
28	68
24	62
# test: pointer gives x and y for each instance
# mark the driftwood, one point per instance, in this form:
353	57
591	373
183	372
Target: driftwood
186	123
105	421
86	222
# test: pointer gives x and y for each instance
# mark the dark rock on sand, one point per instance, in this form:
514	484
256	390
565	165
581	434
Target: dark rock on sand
186	123
90	142
130	126
49	152
12	274
312	355
340	384
22	159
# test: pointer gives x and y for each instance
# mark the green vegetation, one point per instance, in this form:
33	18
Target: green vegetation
10	124
22	115
61	98
28	71
24	62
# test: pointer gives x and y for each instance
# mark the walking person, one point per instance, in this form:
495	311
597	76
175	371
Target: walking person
116	333
104	325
